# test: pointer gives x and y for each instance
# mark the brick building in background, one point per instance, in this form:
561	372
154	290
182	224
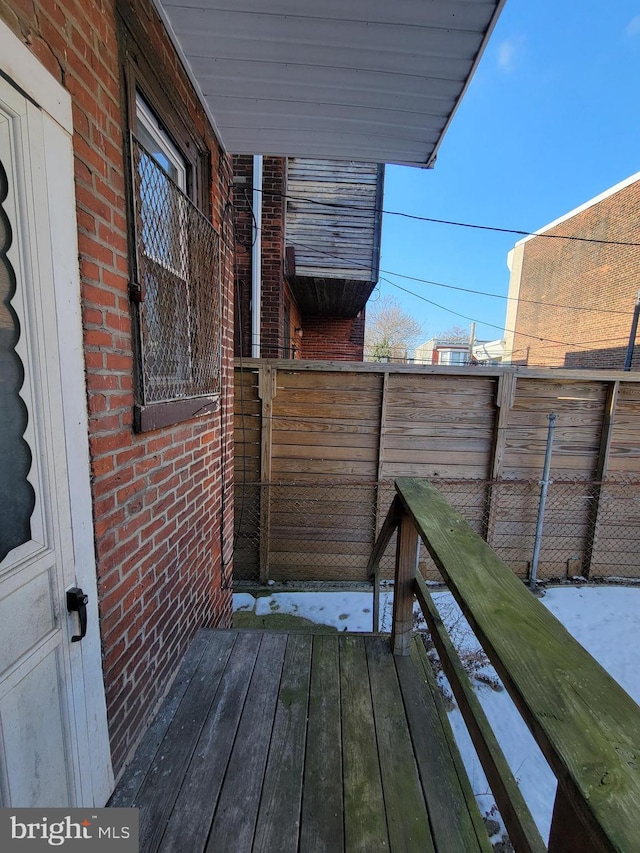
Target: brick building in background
320	253
572	301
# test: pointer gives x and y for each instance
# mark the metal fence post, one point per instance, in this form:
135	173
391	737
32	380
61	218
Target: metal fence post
544	484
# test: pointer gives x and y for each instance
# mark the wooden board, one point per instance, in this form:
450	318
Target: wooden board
280	806
587	727
442	424
306	746
237	810
156	798
188	826
407	819
322	821
365	824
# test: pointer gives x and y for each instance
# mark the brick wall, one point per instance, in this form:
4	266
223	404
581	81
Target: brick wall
333	338
162	522
296	321
601	278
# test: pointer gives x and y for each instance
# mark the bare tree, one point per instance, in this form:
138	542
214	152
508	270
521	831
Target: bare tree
390	332
454	335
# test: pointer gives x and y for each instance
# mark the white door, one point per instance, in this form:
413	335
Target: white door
53	739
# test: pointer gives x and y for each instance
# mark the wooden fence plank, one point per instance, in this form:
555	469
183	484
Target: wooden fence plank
439	423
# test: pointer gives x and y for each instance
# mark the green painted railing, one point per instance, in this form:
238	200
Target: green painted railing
586	725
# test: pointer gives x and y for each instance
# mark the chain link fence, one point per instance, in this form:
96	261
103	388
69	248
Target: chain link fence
325	530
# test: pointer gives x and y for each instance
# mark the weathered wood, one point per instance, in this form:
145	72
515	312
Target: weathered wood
505	396
521	827
344	235
235	818
364	814
323	452
570	375
406	564
354	437
245	788
455	820
322	820
266	392
375	422
600	474
157	795
587	727
568	834
384	537
407	819
278	822
133	778
188	826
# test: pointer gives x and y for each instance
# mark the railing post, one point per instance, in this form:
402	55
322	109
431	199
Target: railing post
568	832
406	564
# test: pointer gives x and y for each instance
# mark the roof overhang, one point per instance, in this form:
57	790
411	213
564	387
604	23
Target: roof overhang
375	80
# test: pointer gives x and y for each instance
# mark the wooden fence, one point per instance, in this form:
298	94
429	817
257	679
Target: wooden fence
318	445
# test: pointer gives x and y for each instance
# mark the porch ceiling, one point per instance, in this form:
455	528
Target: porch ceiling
340	79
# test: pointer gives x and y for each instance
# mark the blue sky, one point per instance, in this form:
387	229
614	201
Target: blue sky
550	120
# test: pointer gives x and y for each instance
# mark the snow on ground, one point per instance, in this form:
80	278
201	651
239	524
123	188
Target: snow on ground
605	620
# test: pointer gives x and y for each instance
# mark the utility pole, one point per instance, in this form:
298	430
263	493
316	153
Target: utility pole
472	340
632	333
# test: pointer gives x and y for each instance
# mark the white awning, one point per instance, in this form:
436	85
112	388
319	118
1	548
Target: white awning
375	80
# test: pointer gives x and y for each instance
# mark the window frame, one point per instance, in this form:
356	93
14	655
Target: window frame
145	80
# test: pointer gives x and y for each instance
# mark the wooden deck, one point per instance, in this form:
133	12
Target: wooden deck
280	742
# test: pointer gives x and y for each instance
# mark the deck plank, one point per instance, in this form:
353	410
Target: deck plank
322	820
195	806
453	813
157	795
365	826
283	742
134	776
235	818
278	822
407	819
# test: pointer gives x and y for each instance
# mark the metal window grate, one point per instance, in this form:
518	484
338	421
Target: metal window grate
178	257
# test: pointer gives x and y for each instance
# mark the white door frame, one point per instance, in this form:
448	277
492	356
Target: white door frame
23	69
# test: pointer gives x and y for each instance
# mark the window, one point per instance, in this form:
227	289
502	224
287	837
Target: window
178	282
453	356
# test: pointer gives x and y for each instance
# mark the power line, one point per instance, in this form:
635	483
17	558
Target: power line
354	266
517	231
578	346
507	298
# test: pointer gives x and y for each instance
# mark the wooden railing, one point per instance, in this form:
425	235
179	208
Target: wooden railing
587	727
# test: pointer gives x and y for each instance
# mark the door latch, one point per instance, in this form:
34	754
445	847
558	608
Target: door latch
77	603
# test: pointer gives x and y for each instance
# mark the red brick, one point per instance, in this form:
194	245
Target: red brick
80	39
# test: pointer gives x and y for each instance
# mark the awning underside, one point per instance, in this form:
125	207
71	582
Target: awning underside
343	79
